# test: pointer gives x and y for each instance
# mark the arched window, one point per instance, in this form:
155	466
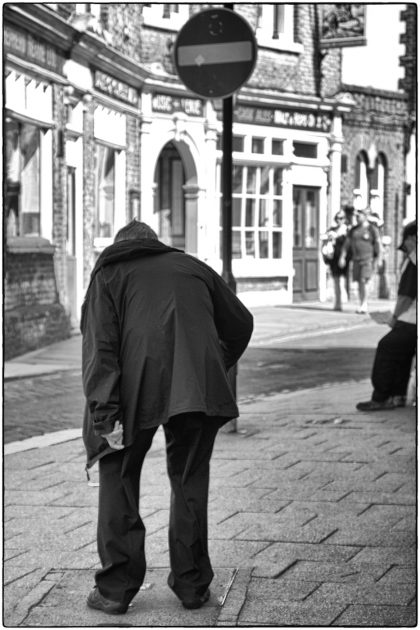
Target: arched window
170	200
378	185
361	189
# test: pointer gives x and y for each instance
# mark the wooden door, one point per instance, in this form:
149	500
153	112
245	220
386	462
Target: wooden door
305	243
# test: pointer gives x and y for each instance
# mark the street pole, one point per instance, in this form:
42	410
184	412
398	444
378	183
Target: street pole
221	37
227	274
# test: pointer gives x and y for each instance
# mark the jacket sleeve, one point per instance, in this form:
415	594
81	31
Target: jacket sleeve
234	323
100	357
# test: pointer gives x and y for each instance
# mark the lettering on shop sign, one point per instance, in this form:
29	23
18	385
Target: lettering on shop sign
116	88
282	118
166	103
32	49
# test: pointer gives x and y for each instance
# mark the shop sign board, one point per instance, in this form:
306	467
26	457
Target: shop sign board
215	53
342	25
114	87
168	104
23	44
295	119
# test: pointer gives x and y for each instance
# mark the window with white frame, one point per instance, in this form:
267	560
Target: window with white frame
23	178
377	192
169	16
307	150
361	190
276	27
90	16
105	191
257	211
237	143
110	174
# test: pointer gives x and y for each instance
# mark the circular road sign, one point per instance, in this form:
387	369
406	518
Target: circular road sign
215	53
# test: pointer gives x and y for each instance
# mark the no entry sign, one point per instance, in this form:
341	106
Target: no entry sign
215	53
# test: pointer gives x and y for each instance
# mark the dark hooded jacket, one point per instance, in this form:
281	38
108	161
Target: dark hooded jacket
160	330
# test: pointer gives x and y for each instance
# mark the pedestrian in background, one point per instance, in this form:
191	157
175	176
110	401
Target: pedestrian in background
363	246
332	247
160	331
381	267
395	352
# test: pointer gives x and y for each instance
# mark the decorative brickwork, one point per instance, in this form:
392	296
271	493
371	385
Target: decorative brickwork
409	59
378	119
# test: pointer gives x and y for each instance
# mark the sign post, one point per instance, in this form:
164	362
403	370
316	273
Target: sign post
215	54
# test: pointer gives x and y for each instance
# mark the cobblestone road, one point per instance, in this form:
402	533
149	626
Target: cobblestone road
33	406
37	405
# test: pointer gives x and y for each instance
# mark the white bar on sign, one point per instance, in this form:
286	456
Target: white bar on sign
205	54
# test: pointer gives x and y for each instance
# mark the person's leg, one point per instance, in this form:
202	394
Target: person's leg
405	350
121	532
363	294
344	293
189	445
337	293
348	282
386	365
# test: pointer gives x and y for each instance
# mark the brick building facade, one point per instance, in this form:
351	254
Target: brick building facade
116	135
374	166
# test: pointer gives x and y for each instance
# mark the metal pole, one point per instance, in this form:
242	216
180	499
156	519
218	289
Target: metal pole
227	274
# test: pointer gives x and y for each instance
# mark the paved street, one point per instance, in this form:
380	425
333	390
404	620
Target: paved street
41	404
289	350
312	506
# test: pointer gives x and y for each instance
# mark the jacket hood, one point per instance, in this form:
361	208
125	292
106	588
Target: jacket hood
122	251
129	249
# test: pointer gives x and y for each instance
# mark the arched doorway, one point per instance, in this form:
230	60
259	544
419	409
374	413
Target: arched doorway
176	197
169	198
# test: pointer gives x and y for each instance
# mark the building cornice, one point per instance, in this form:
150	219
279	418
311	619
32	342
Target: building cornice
294	100
370	91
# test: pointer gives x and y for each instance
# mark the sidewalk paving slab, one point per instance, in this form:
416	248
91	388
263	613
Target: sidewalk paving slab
311	522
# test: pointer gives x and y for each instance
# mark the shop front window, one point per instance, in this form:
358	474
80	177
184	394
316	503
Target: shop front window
105	191
257	221
23	177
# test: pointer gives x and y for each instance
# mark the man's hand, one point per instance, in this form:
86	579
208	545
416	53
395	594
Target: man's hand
392	321
115	439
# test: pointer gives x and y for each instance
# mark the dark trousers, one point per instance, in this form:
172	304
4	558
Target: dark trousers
121	531
392	364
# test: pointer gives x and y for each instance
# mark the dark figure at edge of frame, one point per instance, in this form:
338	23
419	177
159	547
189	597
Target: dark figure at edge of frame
332	247
395	351
160	331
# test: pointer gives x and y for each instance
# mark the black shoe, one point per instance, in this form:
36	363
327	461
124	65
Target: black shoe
373	405
197	601
99	602
399	401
